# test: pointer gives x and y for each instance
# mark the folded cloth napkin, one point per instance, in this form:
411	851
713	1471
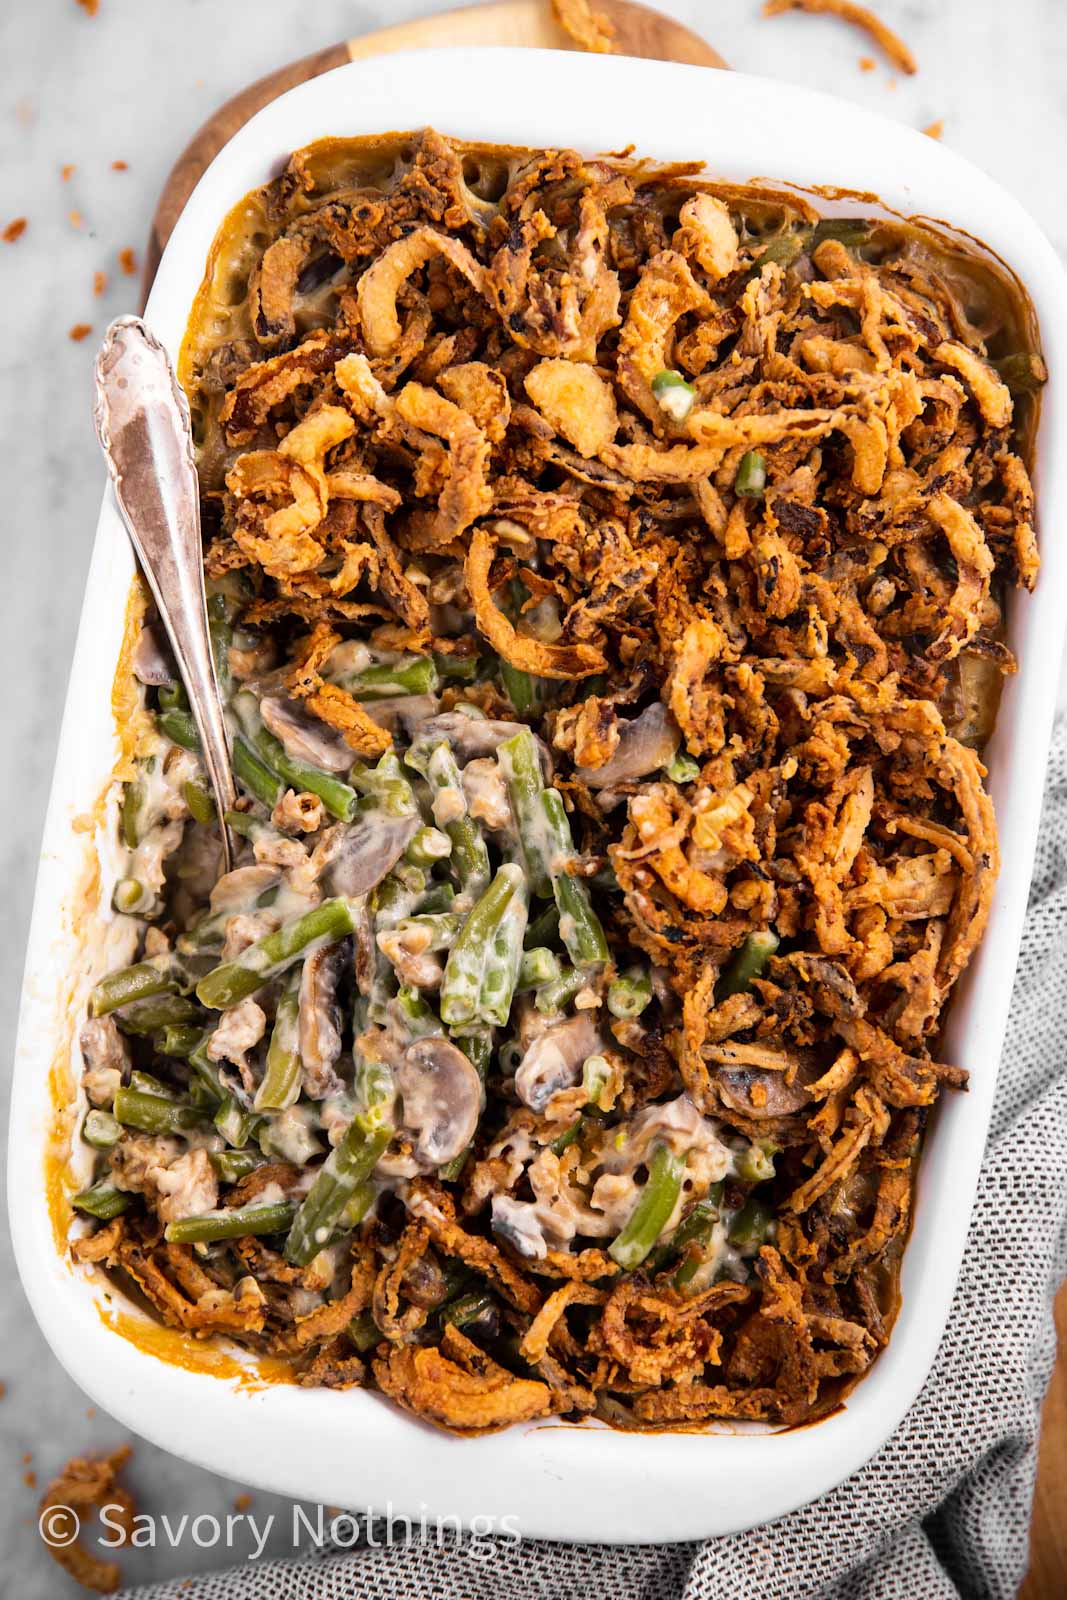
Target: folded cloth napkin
943	1509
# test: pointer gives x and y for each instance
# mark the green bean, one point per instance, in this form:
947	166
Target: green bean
419	1017
246	824
179	728
673	393
521	767
544	928
470	858
630	993
416	675
461	985
233	1165
364	1332
151	1113
652	1211
1024	371
694	1228
139	982
101	1130
177	1039
783	250
500	974
205	1071
747	964
338	798
172	696
357	1208
157	1011
564	1140
255	775
103	1200
849	231
681	768
135	823
596	1075
130	896
440	929
199	800
235	1124
146	1083
751	479
220	614
386	785
428	846
211	1226
579	925
539	966
435	898
468	1308
753	1222
348	1165
556	996
755	1165
528	694
233	981
280	1085
461	669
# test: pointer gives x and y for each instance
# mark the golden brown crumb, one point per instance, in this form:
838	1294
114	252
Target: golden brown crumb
893	46
99	282
867	63
80	331
590	30
75	218
128	261
30	1479
67	171
242	1502
120	166
90	7
934	130
15	230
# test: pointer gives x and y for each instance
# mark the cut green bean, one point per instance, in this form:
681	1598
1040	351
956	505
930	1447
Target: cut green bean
340	799
233	981
280	1085
579	925
233	1165
520	764
364	1332
139	982
557	996
177	1039
239	1223
428	847
235	1124
694	1227
179	728
849	231
462	982
199	800
255	775
751	479
158	1011
470	858
500	974
630	993
101	1130
417	1015
348	1165
147	1083
103	1200
652	1211
544	928
596	1075
753	1223
539	966
151	1113
681	768
747	965
415	675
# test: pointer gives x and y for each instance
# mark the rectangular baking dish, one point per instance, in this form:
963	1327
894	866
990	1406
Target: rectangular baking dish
352	1449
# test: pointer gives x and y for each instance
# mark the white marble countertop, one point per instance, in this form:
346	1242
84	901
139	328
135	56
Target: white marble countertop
133	84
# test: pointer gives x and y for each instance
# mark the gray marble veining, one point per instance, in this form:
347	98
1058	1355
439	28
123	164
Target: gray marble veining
133	84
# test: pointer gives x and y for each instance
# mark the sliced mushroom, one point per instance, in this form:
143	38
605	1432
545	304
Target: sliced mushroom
403	712
760	1094
554	1060
646	743
152	661
442	1098
362	854
240	889
471	737
303	737
320	1018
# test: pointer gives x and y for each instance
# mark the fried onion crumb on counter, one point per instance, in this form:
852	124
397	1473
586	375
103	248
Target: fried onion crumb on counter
608	573
84	1485
890	43
15	229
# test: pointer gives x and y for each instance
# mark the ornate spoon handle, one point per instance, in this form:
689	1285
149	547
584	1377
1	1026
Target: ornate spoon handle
142	421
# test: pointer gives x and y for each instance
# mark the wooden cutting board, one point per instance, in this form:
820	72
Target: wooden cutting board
639	31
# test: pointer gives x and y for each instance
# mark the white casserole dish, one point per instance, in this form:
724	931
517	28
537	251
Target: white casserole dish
352	1448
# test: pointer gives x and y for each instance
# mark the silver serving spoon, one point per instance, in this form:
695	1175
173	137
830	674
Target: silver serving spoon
142	422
